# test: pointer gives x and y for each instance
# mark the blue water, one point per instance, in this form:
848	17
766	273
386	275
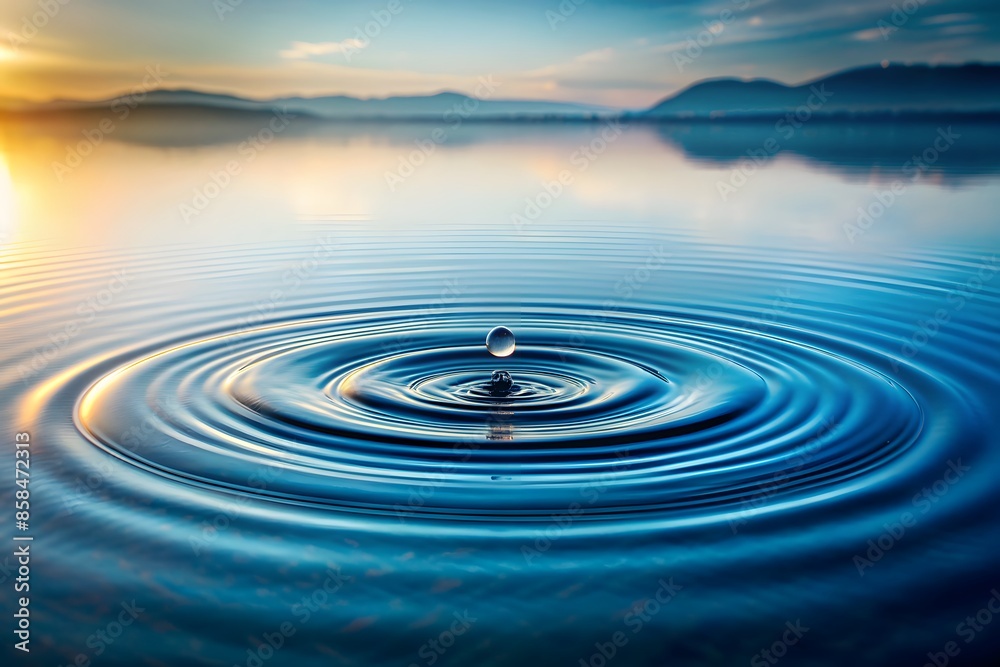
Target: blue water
271	424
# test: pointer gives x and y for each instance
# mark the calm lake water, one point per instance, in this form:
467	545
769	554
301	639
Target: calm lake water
754	405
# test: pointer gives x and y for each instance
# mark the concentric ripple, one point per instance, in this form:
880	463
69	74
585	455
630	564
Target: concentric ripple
659	415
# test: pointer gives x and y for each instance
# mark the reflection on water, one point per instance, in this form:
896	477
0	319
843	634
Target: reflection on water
254	373
953	150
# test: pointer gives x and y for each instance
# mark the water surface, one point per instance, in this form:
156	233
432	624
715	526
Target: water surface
256	385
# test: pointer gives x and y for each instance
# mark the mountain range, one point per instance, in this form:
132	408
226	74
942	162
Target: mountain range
878	89
342	107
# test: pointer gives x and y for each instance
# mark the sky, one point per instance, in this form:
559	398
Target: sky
626	54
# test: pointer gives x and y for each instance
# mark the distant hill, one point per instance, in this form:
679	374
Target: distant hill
876	89
896	89
343	107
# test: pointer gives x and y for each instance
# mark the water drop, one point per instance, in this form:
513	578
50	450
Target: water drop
500	342
500	382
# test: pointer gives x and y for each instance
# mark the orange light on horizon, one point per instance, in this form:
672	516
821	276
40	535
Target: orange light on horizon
7	201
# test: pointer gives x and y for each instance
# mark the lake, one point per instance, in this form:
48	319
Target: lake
753	413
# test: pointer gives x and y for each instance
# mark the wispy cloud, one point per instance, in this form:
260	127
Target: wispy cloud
598	56
949	18
305	50
962	29
869	35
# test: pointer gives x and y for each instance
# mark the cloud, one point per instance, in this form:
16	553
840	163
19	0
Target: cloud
962	29
949	18
598	56
869	35
669	47
305	50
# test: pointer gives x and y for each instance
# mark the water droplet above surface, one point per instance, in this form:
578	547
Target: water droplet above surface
500	342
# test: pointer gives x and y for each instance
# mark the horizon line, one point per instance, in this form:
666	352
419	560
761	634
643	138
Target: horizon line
445	91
